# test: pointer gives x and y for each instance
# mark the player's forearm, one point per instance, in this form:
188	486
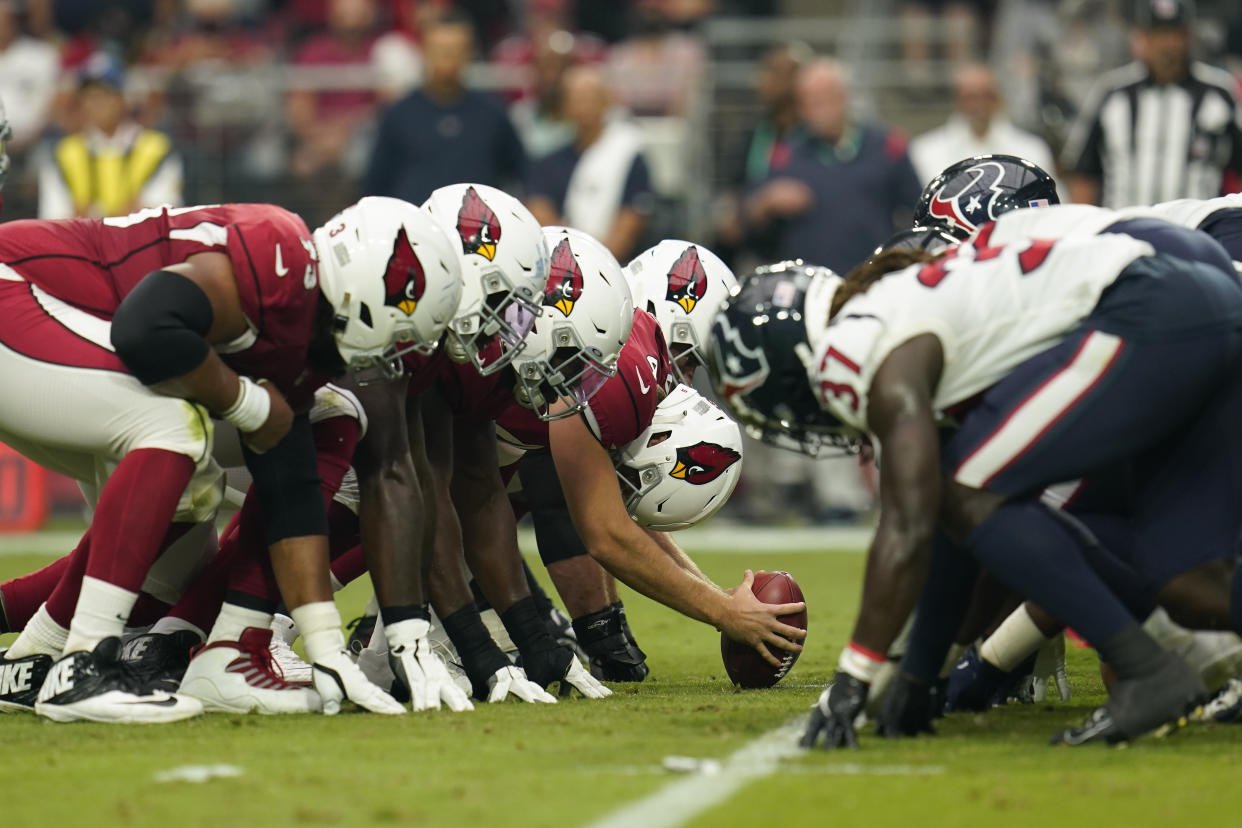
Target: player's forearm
446	584
491	551
677	554
896	572
391	515
212	383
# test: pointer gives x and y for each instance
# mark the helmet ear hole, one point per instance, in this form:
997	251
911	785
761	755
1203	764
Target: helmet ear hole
658	437
364	315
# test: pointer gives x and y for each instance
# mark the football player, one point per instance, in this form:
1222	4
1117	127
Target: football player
155	322
1008	344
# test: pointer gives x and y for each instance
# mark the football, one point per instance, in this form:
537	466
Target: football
746	668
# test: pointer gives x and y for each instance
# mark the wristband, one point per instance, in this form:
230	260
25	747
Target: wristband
861	663
251	408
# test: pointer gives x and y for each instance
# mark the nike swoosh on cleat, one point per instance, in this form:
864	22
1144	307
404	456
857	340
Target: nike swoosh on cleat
168	702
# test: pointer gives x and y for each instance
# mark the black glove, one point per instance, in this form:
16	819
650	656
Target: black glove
977	685
834	714
909	709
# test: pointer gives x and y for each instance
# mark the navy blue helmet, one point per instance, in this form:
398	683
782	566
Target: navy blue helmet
760	351
934	239
977	190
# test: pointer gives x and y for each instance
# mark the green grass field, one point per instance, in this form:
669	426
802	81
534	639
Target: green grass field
578	761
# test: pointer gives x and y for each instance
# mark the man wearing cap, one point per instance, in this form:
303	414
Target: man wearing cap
113	165
1161	128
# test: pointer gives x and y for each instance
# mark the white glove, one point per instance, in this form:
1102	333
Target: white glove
1050	662
584	682
336	678
511	681
427	677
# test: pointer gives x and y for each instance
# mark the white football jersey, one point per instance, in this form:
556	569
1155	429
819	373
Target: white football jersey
991	308
1187	212
1063	220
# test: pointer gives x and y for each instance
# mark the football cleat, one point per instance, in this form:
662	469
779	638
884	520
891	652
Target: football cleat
20	680
159	661
241	677
614	655
97	686
1225	706
1141	705
292	667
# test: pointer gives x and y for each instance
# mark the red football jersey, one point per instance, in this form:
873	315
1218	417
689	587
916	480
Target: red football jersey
472	397
621	409
94	264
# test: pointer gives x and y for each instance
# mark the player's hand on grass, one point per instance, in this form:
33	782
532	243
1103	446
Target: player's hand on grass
279	421
512	682
833	716
560	664
909	709
337	678
579	678
974	684
753	622
425	675
1050	664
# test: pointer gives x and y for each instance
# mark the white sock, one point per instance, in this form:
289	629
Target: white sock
102	611
320	625
41	635
405	632
233	619
1015	639
170	624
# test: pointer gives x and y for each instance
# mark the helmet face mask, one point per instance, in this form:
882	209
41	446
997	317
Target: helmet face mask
587	314
975	191
504	268
760	352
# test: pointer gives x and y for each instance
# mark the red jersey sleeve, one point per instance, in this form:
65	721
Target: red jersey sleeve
622	409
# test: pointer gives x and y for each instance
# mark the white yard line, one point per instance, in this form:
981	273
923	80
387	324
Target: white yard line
680	801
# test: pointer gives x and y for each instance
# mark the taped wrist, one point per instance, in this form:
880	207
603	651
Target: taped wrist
480	657
251	408
601	626
860	663
159	330
286	481
527	628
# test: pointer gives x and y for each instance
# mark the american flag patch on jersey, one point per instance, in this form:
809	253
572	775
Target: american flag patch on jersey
1037	202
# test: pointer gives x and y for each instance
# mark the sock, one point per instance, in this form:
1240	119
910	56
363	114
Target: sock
102	611
235	618
170	624
320	623
64	595
1038	554
41	635
480	657
24	595
134	515
147	610
1016	638
404	625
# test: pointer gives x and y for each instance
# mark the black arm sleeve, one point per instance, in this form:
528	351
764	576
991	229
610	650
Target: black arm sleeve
554	528
286	480
159	329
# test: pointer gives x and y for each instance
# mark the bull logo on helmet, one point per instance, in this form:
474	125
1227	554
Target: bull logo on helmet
703	462
972	202
404	278
564	286
687	281
477	225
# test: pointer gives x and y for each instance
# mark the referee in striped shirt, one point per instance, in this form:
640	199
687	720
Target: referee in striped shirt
1161	128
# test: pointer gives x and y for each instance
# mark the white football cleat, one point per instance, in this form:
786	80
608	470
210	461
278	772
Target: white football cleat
284	633
241	677
97	686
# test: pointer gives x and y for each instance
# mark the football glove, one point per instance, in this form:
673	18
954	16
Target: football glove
511	681
833	716
426	677
336	678
909	709
547	666
1050	663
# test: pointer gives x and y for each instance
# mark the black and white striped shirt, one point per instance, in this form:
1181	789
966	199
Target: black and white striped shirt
1148	143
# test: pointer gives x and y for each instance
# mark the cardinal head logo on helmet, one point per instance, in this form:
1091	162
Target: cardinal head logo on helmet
477	225
404	279
703	462
687	280
564	286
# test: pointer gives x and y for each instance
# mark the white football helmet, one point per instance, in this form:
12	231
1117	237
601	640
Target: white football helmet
587	316
504	268
684	466
393	279
682	285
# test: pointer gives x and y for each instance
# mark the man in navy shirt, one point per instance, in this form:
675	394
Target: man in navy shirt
599	183
444	133
844	187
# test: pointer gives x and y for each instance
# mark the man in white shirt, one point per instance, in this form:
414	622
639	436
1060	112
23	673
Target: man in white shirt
29	70
976	127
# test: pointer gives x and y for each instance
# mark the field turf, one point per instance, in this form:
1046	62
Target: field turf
578	761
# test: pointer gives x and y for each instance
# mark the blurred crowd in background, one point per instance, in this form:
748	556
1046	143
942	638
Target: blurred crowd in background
765	129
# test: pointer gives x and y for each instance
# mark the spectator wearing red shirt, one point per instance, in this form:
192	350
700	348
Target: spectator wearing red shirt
328	113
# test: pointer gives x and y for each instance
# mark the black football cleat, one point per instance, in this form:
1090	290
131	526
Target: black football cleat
96	686
1141	705
159	661
20	680
614	656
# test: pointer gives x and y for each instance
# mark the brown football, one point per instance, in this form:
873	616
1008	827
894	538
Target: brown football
746	668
